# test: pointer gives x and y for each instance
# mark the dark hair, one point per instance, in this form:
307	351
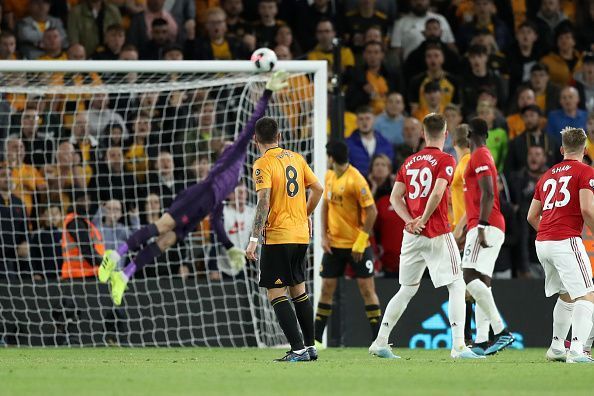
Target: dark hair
539	67
266	130
115	27
564	27
479	127
7	33
432	20
338	150
588	57
324	20
531	107
129	47
364	110
477	49
530	25
371	43
172	47
434	124
158	22
432	86
433	45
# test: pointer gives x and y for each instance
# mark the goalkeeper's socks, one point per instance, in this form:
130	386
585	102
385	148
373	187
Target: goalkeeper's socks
138	239
322	315
304	311
288	322
147	255
129	270
374	315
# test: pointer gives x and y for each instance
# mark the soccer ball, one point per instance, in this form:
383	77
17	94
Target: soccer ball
264	59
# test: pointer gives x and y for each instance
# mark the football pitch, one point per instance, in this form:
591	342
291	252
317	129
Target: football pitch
226	371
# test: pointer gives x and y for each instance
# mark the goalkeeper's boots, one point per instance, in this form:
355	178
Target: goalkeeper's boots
295	357
556	355
109	263
479	348
464	353
119	284
575	357
384	352
313	352
502	341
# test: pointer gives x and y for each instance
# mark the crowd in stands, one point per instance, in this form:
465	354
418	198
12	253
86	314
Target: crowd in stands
526	67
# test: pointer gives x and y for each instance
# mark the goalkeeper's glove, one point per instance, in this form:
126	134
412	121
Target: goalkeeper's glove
236	257
278	81
361	242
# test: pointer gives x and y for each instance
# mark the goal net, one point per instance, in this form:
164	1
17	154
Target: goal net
116	141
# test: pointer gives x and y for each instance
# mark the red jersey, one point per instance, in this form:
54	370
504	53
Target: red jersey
419	172
559	191
480	165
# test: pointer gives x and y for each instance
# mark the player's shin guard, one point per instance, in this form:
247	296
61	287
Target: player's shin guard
484	299
581	324
288	322
562	314
138	239
457	312
323	313
374	315
394	311
304	311
147	255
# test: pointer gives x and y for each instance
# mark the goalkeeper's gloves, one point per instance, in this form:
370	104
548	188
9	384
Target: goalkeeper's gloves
361	242
236	257
278	81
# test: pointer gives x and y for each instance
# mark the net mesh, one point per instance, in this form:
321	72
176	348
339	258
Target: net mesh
130	142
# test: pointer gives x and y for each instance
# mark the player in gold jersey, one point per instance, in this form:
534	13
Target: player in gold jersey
348	215
282	219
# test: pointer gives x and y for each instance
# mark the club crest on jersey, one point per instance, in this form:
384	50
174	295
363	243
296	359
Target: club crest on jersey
450	170
257	172
363	191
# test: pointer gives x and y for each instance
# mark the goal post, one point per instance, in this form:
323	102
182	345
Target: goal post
191	108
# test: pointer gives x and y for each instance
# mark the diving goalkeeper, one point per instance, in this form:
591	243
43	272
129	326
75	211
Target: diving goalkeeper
189	207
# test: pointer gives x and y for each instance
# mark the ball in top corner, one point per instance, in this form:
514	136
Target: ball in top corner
264	59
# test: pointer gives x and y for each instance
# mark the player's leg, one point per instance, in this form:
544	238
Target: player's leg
333	266
364	272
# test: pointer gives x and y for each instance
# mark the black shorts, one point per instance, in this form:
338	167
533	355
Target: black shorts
282	265
333	265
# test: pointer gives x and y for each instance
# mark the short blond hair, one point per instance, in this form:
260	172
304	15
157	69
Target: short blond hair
573	140
214	11
460	136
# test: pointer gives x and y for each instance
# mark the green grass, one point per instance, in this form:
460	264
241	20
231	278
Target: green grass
201	371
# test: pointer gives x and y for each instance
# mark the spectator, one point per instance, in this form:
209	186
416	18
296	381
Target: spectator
114	40
369	84
548	18
237	27
112	173
415	62
84	143
407	33
311	14
140	30
30	29
585	83
136	156
497	139
380	175
184	13
547	93
283	52
524	53
113	136
391	122
108	221
479	78
496	60
533	135
267	23
569	115
448	83
173	52
365	142
13	228
46	249
26	179
100	116
52	45
160	39
515	124
8	46
412	133
216	45
39	146
564	60
82	242
432	100
284	36
584	22
88	21
152	209
590	141
13	11
362	18
485	17
325	35
238	216
165	182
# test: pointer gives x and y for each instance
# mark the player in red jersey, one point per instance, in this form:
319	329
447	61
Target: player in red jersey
485	235
419	199
563	201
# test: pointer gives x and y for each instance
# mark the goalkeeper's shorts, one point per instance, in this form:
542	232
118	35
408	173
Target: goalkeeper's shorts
282	265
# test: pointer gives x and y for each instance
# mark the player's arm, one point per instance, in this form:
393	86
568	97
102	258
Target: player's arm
486	206
262	209
314	197
535	211
398	203
587	207
432	203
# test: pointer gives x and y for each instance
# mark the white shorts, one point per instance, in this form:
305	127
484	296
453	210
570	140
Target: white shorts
479	258
439	254
567	267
